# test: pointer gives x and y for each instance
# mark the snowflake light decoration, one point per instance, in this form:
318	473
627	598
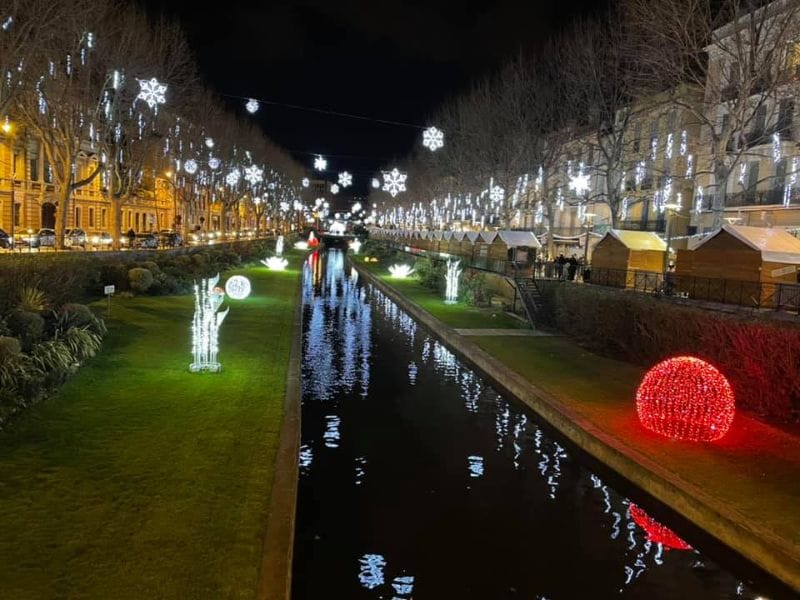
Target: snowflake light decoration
320	164
345	179
190	166
394	182
253	174
433	138
252	106
213	163
497	193
232	178
306	182
152	92
375	183
579	183
334	189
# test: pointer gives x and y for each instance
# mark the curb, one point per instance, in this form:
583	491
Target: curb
275	575
776	555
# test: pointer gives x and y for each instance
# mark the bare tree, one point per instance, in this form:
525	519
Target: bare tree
742	52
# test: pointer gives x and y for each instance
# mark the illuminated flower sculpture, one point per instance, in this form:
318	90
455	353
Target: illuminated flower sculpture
400	271
275	263
686	398
656	532
205	325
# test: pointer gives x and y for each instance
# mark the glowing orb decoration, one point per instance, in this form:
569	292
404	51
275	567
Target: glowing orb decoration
400	271
275	263
190	166
685	398
252	106
320	164
209	142
497	193
433	138
238	287
655	531
214	163
355	246
375	183
306	182
335	189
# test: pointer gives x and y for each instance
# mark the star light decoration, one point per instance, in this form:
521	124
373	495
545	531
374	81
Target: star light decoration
320	164
190	166
232	178
253	174
433	138
394	182
252	106
334	189
152	92
345	179
497	193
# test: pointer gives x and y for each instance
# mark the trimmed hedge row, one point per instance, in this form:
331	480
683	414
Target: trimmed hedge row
760	357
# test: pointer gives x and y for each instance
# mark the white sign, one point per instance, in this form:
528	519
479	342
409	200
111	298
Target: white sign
108	290
783	271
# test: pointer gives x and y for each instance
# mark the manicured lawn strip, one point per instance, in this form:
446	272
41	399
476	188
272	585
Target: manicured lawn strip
459	316
141	480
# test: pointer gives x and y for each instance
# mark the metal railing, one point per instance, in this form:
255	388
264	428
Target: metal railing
753	294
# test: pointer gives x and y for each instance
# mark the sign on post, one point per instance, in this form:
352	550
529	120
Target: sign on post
109	291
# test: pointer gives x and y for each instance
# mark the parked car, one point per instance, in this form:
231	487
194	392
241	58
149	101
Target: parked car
43	237
6	241
75	237
102	240
169	238
148	241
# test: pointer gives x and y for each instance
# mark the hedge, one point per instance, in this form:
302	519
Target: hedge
760	356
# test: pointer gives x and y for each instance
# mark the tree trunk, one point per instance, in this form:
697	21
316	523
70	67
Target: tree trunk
63	216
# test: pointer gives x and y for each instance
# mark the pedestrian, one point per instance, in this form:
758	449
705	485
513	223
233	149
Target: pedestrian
572	267
560	262
131	237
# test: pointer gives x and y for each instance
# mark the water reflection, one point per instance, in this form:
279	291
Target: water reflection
426	481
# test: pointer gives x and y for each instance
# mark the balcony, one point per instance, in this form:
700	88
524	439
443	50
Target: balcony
657	225
754	198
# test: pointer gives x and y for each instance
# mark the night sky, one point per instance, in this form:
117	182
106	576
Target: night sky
387	59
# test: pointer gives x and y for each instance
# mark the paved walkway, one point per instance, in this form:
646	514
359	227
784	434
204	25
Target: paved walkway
503	332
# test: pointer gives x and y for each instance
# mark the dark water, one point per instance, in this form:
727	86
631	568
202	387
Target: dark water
418	480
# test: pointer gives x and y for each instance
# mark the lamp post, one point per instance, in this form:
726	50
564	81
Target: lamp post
589	224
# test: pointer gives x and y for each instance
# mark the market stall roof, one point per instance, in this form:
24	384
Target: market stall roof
488	236
472	236
514	239
638	240
774	244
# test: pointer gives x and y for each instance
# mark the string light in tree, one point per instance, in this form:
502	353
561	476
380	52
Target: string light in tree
686	398
252	106
776	147
190	166
335	189
394	182
579	183
152	92
433	138
345	179
376	183
253	174
320	164
655	531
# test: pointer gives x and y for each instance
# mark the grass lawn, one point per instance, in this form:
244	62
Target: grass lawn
141	480
457	315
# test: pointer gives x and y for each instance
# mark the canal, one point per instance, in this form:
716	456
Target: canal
419	480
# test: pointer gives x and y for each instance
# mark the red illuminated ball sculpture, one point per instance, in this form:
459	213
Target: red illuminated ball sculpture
656	532
686	398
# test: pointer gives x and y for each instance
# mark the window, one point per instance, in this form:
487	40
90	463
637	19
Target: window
672	119
780	174
77	216
752	176
17	211
793	59
33	166
91	217
785	119
48	172
759	121
103	217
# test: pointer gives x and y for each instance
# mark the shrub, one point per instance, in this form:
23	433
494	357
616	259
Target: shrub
81	343
430	273
644	330
150	266
32	299
140	279
27	326
79	315
473	288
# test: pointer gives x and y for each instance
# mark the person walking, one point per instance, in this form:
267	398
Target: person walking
131	235
572	267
